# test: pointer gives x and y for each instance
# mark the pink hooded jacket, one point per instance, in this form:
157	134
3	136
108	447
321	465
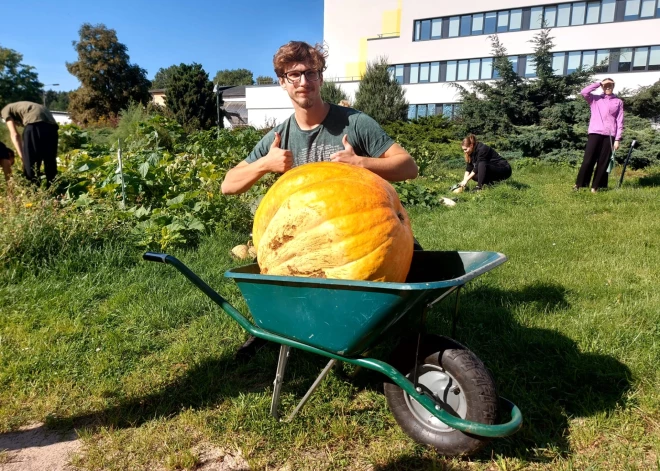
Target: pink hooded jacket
606	113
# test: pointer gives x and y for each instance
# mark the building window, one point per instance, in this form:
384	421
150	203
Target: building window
588	59
648	9
593	12
515	24
530	67
491	23
577	18
454	23
424	73
625	59
563	14
486	69
466	25
573	61
426	30
421	111
536	20
502	21
435	71
558	60
398	75
641	58
414	73
412	111
654	58
474	69
448	111
451	71
431	109
436	28
418	30
607	11
602	61
632	10
478	24
462	70
551	16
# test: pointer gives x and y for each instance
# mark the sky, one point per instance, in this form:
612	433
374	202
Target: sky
219	34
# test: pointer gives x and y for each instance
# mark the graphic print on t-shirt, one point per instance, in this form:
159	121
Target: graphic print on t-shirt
316	153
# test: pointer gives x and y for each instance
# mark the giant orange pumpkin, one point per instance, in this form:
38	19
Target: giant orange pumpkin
333	220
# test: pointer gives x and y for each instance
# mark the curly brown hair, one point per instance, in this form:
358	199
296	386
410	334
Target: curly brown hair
299	52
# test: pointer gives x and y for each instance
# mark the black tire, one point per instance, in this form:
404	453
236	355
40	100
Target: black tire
444	365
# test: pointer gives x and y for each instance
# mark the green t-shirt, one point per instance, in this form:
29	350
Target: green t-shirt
26	112
317	145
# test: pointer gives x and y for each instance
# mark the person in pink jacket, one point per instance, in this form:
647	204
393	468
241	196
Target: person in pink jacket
605	130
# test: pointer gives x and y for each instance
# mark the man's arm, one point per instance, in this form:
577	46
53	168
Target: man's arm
15	137
241	178
394	165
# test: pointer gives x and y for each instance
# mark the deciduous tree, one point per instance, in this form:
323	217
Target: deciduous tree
109	81
234	77
18	81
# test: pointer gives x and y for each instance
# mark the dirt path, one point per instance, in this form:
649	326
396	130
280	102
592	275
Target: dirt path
34	448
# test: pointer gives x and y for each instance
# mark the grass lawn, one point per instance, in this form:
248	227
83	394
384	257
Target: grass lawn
141	363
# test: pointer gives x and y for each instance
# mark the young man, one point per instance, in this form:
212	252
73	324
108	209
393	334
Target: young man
315	132
39	141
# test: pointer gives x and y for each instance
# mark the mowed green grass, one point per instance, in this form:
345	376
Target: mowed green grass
141	363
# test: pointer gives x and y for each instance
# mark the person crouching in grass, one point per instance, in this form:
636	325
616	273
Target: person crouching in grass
482	164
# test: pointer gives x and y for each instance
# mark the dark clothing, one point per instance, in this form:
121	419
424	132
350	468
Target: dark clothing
598	152
40	145
488	165
4	151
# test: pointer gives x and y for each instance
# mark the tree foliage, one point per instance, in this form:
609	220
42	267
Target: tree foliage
379	95
234	77
265	80
190	97
162	77
332	93
57	101
18	81
109	81
645	102
513	103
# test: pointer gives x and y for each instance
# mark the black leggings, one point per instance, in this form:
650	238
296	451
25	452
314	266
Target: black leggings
495	173
598	152
40	145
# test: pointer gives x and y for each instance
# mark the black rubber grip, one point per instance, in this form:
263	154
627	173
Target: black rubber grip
155	257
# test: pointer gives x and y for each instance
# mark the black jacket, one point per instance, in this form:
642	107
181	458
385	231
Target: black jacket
482	157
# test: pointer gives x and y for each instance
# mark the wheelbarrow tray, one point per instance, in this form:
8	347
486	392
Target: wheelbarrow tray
345	317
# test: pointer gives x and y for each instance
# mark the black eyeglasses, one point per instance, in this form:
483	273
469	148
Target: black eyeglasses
311	75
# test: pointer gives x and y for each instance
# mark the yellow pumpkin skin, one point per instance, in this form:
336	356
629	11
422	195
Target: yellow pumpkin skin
333	220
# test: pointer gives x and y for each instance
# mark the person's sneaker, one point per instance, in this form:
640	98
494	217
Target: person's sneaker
251	346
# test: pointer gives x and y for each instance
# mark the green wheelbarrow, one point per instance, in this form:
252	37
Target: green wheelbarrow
439	392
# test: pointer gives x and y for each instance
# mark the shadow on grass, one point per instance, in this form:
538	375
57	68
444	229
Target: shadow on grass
541	370
416	463
515	184
650	180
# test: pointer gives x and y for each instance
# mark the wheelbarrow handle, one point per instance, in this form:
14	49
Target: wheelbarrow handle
155	257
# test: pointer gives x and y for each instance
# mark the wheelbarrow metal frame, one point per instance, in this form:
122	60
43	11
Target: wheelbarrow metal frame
423	398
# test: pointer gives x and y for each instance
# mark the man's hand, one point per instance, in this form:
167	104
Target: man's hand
278	160
348	155
616	145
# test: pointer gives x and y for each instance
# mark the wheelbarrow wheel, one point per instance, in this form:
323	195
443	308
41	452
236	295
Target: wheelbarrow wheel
458	379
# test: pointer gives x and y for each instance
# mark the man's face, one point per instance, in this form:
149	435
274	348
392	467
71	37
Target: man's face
303	84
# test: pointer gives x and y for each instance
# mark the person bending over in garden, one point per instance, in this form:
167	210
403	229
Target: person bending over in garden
605	124
39	141
6	160
482	163
315	132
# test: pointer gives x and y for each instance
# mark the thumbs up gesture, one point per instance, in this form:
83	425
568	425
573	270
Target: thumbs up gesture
278	160
347	155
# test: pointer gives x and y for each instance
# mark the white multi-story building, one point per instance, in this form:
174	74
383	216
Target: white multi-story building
433	44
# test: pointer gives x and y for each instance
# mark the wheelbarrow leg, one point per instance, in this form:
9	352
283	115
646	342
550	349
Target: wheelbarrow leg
454	319
311	390
279	378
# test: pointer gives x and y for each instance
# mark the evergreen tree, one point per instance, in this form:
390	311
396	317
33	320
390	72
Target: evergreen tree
332	93
234	77
190	97
645	102
57	101
109	81
162	77
18	82
379	95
